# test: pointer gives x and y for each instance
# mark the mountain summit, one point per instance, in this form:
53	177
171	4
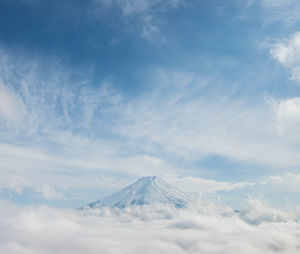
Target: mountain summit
145	191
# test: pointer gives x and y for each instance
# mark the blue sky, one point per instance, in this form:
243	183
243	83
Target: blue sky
95	94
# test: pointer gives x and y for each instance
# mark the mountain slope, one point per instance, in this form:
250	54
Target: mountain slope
145	191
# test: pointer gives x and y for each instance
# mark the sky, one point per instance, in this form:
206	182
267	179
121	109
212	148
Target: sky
96	94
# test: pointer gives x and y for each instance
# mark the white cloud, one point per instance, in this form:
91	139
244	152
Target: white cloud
12	109
133	7
280	10
200	185
287	112
179	118
49	192
289	109
141	15
258	212
52	105
287	52
46	230
277	3
287	182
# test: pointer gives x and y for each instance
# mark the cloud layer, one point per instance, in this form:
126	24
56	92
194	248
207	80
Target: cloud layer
206	229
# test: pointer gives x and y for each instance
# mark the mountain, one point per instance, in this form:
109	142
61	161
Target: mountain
145	191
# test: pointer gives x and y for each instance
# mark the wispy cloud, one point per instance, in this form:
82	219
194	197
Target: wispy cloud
71	125
11	106
201	185
143	16
288	181
189	117
281	10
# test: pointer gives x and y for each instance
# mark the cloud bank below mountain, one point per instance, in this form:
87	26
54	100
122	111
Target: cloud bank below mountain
203	229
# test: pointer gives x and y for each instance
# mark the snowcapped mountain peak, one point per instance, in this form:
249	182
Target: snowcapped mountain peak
145	191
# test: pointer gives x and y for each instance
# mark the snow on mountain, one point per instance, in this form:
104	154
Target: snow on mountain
145	191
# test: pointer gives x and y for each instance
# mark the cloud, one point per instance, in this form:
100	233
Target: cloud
289	109
288	181
54	106
143	16
12	109
49	192
258	212
200	185
48	126
189	117
288	118
277	3
133	7
280	10
287	52
42	229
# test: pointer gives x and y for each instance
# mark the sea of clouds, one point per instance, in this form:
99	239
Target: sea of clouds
203	228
